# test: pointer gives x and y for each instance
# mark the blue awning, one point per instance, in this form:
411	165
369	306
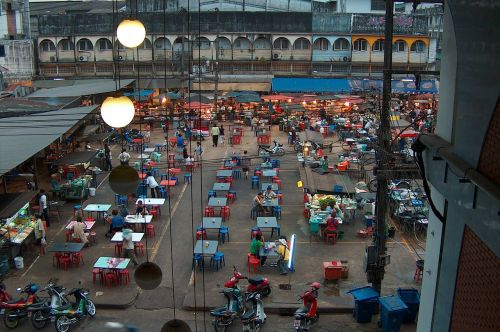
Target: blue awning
398	86
137	94
316	85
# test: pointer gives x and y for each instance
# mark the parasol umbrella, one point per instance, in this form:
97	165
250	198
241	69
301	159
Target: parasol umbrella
248	98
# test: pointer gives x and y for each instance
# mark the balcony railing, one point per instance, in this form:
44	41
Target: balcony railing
403	24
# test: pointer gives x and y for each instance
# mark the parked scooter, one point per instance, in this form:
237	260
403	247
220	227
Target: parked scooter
257	284
307	315
226	314
65	317
42	316
254	317
277	149
14	310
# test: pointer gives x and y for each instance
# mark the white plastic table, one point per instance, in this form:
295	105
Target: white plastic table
136	237
98	208
151	201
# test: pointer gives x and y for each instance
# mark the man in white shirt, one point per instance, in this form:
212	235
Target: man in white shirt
42	201
128	246
152	184
215	135
124	157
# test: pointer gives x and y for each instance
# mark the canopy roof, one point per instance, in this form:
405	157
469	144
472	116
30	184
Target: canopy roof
81	89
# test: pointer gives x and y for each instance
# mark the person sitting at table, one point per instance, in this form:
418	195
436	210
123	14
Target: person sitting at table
152	184
324	164
331	226
124	157
257	243
79	231
141	209
269	193
189	161
116	223
257	203
128	246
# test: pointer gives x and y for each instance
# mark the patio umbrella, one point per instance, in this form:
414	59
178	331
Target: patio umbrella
248	98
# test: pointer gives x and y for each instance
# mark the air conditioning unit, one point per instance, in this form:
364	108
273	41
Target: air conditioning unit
53	58
276	56
346	58
83	58
119	58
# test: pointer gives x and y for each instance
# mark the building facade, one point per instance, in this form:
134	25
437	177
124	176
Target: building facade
321	41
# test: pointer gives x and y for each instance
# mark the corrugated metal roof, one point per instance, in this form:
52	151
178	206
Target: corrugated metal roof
81	89
23	136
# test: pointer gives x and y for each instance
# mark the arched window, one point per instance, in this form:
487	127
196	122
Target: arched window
202	43
223	43
262	44
179	42
321	44
162	44
378	46
65	45
341	44
85	45
418	47
241	43
104	44
302	44
360	45
145	45
120	46
281	44
47	46
399	46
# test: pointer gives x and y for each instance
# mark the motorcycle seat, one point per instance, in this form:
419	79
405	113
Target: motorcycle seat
15	301
256	280
247	315
302	311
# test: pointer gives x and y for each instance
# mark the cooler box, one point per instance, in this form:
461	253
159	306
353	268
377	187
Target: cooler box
392	312
332	270
365	302
411	298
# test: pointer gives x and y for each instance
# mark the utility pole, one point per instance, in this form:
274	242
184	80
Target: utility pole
216	65
376	273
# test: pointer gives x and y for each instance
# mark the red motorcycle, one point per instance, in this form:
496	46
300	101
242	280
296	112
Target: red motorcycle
255	285
308	314
14	310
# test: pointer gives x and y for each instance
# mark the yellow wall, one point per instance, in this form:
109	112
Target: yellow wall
409	40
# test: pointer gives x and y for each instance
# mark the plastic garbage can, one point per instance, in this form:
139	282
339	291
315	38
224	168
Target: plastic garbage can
19	262
392	312
365	302
91	192
411	298
4	265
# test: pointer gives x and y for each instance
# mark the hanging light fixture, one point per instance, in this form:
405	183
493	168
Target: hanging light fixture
176	325
131	32
117	112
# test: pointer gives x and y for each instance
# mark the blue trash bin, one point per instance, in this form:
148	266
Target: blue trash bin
411	298
392	312
365	303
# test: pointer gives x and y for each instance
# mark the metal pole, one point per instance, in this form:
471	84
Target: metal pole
384	149
216	66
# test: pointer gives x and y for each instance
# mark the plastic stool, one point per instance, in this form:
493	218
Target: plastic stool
163	175
255	181
252	261
277	211
150	230
225	212
277	229
201	235
110	279
124	277
254	232
209	212
118	249
174	178
237	173
218	259
332	236
68	233
212	193
230	198
98	272
233	192
197	261
139	248
187	178
257	173
76	209
223	231
76	258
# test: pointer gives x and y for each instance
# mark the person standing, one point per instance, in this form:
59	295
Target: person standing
42	201
180	141
107	158
40	238
284	254
128	246
245	164
124	157
152	184
221	134
198	151
215	135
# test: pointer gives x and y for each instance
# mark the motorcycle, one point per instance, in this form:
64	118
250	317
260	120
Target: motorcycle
14	310
307	315
225	315
255	285
254	318
41	316
277	149
65	317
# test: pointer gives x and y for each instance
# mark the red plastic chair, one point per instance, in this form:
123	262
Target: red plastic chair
150	230
154	213
124	277
68	233
76	258
277	181
98	272
252	261
56	256
65	262
201	235
258	173
332	236
209	212
230	198
139	248
118	249
280	198
225	212
110	279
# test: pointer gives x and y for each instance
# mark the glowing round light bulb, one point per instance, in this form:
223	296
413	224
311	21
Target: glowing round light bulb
117	112
131	33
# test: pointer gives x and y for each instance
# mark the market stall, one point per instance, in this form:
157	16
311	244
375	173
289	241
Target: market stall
77	175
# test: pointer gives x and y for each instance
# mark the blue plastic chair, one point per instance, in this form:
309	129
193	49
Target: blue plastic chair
164	193
217	260
277	229
237	173
255	181
277	211
187	178
275	163
212	193
197	261
254	213
163	175
174	178
223	231
123	200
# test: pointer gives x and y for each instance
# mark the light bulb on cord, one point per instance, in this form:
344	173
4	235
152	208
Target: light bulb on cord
131	32
117	112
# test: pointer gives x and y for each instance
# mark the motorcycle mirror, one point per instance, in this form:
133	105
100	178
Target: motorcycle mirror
18	290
